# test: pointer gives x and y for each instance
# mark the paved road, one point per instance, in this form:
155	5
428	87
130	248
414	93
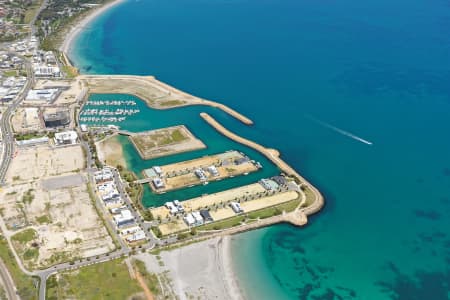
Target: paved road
5	126
8	282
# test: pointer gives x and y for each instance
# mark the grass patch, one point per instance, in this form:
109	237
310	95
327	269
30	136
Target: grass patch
45	219
31	12
10	73
26	287
274	210
151	280
177	136
227	223
28	197
310	196
108	280
29	136
31	253
172	103
71	72
25	236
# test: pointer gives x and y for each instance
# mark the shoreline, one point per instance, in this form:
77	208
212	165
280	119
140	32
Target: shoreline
79	27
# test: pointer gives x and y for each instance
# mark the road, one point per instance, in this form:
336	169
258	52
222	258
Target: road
5	126
8	282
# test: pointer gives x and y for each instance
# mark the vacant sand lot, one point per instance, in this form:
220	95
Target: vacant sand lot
110	151
41	161
26	120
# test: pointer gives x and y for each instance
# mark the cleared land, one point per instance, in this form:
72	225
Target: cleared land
36	162
109	280
166	141
57	224
57	209
110	151
182	174
71	90
26	120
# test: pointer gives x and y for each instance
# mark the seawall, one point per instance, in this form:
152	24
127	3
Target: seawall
272	155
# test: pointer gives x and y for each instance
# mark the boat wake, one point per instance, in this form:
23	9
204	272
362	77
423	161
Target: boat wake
338	130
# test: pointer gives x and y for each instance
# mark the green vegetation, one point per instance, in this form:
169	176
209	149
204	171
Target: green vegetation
172	103
310	197
156	231
28	197
26	285
10	73
29	136
177	136
70	72
227	223
31	253
25	236
109	280
31	11
274	210
150	279
58	257
45	219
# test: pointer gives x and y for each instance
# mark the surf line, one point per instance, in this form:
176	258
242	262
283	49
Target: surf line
338	130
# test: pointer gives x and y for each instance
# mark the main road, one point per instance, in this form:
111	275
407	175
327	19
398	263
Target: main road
5	125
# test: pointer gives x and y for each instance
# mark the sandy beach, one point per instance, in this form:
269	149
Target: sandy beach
198	271
74	31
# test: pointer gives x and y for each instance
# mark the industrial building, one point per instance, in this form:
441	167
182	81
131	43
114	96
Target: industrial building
56	118
42	95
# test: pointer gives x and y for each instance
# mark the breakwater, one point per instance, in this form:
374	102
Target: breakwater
272	155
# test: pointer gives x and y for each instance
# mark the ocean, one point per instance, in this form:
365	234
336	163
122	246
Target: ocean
318	78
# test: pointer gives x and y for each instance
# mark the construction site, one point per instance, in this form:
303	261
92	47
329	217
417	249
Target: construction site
47	208
181	216
199	171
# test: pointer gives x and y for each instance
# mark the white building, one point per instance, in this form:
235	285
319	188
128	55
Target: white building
66	138
198	218
236	207
189	220
137	236
125	217
42	95
158	183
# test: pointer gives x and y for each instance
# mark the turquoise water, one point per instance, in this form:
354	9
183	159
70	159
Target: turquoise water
150	119
377	69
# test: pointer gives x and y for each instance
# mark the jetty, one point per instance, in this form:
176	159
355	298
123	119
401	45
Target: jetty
274	156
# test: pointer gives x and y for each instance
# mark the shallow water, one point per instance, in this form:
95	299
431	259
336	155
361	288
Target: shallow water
379	70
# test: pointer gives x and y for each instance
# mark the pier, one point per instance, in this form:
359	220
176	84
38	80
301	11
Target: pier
272	155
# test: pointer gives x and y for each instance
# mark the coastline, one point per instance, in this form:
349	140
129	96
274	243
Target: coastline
207	276
78	28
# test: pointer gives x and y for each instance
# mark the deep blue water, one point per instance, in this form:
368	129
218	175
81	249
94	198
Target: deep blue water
377	69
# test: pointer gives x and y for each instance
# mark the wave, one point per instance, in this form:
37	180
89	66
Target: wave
339	130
